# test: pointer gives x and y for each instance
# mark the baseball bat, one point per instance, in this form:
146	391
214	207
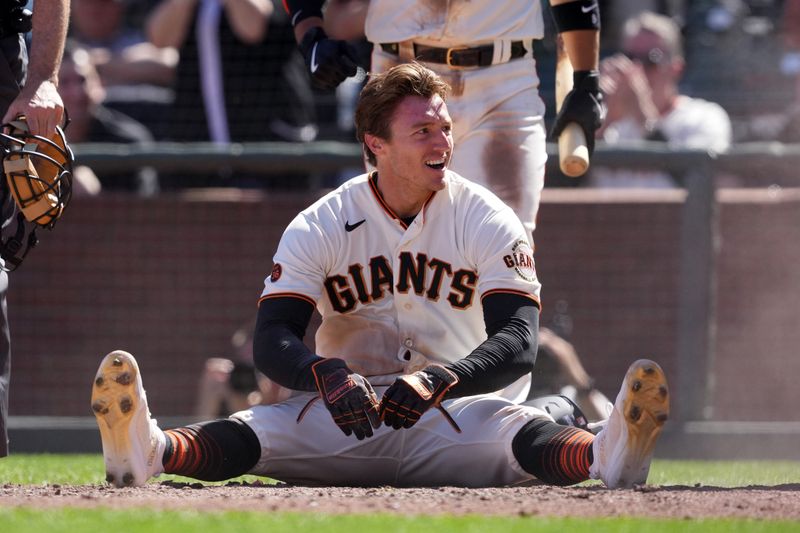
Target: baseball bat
573	154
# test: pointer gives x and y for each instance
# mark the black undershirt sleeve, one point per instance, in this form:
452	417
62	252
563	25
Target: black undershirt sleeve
278	348
512	323
512	326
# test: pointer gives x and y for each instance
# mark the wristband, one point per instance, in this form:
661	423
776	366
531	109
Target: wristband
578	15
589	77
300	10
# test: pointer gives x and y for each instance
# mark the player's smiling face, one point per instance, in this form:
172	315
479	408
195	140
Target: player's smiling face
416	155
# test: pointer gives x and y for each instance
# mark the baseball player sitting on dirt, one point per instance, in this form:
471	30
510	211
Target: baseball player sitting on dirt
429	300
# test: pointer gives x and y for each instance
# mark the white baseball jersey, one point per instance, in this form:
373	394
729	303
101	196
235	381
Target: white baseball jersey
453	22
395	298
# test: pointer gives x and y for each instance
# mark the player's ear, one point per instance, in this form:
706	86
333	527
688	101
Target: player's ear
375	144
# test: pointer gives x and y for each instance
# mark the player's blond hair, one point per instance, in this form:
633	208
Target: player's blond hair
383	93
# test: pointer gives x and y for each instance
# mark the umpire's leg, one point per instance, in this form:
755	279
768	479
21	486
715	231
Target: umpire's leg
5	364
13	65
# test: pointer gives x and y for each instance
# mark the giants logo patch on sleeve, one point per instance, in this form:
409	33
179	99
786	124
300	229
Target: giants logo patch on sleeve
277	270
521	260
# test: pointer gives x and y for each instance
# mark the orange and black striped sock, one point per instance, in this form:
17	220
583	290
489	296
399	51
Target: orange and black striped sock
555	454
211	451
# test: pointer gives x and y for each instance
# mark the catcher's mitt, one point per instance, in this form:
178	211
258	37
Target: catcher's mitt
39	176
38	171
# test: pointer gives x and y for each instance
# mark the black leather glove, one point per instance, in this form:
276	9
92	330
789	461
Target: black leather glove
348	396
583	105
407	399
329	62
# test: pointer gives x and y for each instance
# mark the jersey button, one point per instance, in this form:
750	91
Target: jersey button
408	343
407	307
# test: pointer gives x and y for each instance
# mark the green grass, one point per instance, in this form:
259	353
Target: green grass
67	469
37	469
148	521
724	473
88	469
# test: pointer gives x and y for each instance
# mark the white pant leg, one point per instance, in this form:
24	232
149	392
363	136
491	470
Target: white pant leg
316	452
506	153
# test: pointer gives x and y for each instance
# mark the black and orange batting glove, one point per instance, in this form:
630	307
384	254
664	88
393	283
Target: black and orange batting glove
407	399
348	396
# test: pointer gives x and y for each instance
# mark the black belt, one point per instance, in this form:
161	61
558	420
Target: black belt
458	56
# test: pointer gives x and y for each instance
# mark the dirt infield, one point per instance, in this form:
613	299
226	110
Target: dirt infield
758	502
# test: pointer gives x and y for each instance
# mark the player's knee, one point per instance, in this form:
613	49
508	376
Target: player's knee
562	409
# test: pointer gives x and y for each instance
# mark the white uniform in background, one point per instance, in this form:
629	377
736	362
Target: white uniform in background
498	115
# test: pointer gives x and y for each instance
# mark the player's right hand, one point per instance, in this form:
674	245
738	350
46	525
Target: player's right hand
584	105
411	395
329	61
348	396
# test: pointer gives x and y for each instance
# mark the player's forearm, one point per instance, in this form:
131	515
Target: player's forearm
507	354
579	27
50	20
302	27
278	348
583	49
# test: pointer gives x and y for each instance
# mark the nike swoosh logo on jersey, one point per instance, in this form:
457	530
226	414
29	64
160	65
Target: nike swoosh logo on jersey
350	227
314	64
590	8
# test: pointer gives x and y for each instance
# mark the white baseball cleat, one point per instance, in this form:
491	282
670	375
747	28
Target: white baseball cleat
623	449
133	444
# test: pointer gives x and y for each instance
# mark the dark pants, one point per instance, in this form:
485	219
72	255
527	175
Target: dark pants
13	64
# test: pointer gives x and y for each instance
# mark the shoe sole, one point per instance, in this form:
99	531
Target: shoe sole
646	409
117	395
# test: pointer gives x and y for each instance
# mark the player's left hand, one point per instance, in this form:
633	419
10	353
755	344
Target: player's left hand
329	61
405	401
583	105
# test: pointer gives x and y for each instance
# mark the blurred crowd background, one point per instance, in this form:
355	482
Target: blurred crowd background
173	70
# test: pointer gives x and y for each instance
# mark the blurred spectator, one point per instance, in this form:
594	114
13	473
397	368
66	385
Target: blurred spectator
641	86
615	14
790	35
559	370
789	131
733	49
231	384
239	77
238	67
137	75
92	121
790	65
